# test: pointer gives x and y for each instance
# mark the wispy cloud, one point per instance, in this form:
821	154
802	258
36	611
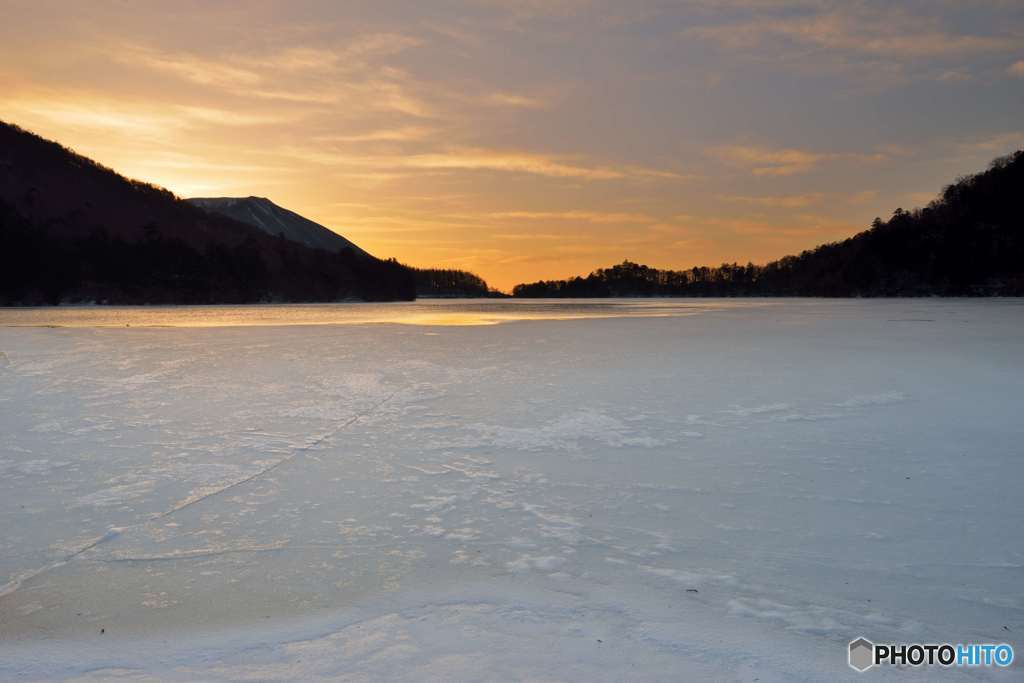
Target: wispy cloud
769	161
240	69
399	134
141	118
848	28
520	162
473	159
91	114
762	160
800	225
1016	69
998	143
574	215
355	73
785	201
192	68
658	174
956	75
235	117
803	200
514	100
862	197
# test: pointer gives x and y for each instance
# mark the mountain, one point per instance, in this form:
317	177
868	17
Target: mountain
969	241
275	220
72	230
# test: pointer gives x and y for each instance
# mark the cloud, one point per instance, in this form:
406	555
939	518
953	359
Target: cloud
234	117
405	223
849	29
862	197
803	200
472	159
574	215
654	173
957	75
762	160
352	74
188	162
1016	69
400	134
514	100
192	68
784	201
141	118
95	115
240	69
997	143
801	225
769	161
533	163
377	45
521	162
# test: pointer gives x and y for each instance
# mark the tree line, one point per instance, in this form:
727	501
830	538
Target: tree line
39	266
969	241
446	282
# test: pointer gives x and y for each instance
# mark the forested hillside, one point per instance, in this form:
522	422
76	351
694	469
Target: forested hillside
968	242
75	231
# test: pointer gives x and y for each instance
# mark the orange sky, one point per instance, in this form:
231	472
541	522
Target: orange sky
527	140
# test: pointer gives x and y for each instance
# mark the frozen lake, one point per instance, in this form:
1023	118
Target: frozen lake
446	312
444	490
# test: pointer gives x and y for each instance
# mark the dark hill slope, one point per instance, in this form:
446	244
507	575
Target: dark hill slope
73	230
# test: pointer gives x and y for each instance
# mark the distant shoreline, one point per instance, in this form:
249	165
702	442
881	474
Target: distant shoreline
510	299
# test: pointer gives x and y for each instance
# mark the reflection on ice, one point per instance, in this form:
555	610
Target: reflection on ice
423	312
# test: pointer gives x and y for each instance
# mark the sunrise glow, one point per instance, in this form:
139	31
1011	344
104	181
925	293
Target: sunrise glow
531	140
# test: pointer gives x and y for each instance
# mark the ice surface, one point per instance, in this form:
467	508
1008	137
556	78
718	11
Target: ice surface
698	490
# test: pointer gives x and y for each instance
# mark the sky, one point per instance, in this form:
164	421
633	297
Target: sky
533	139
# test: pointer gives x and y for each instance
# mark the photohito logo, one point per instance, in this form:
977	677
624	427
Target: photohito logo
863	654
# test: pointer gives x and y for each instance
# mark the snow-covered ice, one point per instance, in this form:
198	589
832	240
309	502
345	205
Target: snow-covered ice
671	490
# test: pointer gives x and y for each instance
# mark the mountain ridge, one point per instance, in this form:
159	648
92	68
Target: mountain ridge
274	219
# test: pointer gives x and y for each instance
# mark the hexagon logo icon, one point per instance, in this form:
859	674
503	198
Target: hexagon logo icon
862	653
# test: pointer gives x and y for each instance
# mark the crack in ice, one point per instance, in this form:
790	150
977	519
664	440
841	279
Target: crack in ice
16	583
